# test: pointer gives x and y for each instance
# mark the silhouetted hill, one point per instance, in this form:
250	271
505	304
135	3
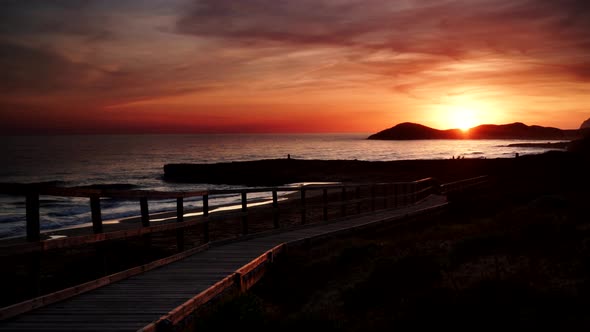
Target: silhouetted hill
408	131
585	124
581	146
517	130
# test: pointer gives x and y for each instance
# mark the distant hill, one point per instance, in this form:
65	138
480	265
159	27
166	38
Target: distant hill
585	124
517	130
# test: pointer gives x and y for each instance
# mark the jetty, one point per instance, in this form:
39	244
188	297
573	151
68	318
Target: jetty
208	255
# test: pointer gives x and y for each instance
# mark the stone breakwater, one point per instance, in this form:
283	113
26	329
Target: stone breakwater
284	171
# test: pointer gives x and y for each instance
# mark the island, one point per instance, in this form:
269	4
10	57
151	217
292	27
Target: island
517	130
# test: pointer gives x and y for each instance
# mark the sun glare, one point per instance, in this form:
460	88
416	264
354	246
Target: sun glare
462	118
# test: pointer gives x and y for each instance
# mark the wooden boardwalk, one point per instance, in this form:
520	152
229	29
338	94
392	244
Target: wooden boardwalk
139	301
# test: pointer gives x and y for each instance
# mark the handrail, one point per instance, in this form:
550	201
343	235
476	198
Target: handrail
327	202
481	177
24	189
33	191
460	185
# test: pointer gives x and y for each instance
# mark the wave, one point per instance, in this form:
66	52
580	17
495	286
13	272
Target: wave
123	163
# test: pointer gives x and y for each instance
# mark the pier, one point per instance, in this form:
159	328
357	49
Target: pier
207	261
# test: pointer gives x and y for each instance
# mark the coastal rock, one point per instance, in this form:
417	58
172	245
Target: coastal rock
548	145
585	124
411	131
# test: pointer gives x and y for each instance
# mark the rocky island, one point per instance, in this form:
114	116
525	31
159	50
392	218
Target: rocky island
517	130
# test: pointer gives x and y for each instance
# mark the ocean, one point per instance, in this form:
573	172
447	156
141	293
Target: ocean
137	161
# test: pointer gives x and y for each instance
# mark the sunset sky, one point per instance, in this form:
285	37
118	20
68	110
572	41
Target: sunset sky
201	66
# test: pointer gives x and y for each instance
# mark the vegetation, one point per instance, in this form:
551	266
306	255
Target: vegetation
513	255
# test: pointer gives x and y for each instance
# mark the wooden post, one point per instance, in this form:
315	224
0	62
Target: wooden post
303	209
145	222
245	211
419	187
145	213
101	249
405	193
372	197
358	197
343	206
33	220
275	209
33	235
325	204
206	219
180	218
96	214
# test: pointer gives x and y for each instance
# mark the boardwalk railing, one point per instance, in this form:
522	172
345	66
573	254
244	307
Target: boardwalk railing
384	194
306	204
462	185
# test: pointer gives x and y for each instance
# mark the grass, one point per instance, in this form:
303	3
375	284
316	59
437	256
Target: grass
497	259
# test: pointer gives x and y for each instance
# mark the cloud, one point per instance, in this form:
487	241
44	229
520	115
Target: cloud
451	28
31	70
111	55
77	18
425	48
39	78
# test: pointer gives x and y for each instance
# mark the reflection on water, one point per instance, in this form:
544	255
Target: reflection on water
138	160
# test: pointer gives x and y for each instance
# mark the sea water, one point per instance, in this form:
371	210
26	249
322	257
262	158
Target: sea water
136	162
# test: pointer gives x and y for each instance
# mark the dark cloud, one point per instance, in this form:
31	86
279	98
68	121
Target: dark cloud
31	70
305	21
554	35
79	18
452	28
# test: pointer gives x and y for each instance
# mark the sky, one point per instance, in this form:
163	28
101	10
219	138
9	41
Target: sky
278	66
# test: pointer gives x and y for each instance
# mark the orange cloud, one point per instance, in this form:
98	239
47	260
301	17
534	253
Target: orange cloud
266	66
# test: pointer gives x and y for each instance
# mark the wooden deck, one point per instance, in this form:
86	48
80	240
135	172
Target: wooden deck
137	302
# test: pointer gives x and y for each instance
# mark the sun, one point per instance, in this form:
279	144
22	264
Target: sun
462	118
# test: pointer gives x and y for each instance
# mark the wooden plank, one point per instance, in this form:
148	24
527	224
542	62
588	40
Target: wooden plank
197	272
46	245
189	306
39	302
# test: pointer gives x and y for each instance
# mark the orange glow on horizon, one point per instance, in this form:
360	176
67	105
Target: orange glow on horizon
189	69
